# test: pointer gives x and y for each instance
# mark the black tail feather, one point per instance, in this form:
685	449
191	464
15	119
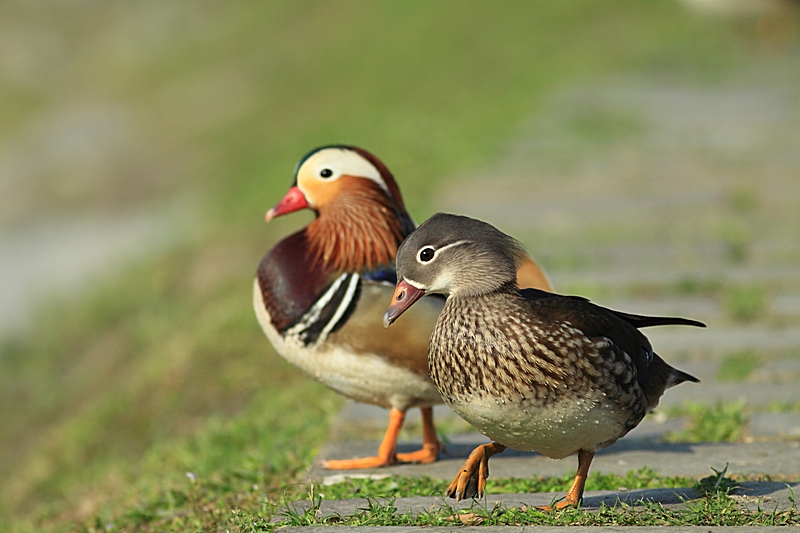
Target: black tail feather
639	321
679	376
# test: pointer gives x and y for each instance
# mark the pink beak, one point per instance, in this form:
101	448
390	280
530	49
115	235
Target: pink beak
404	297
293	201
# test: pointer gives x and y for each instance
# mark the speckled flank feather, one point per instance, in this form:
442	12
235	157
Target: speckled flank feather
491	354
532	380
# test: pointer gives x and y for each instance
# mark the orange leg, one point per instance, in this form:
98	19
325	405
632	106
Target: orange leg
470	482
430	442
387	451
575	493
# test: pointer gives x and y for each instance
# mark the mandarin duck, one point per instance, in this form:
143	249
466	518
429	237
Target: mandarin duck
319	294
531	370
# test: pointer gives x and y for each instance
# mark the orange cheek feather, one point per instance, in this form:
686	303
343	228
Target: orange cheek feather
318	192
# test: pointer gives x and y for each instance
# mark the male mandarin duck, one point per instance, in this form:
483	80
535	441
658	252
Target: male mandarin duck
531	370
319	294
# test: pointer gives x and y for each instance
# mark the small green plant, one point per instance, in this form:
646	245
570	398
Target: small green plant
782	407
393	486
737	237
605	125
746	303
717	483
690	285
307	516
717	423
738	366
743	200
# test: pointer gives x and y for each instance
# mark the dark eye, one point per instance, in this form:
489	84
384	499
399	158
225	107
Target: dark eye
326	173
426	254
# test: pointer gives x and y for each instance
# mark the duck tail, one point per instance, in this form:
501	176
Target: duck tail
641	321
679	376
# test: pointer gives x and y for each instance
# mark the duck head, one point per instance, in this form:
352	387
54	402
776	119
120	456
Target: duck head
455	256
361	218
325	173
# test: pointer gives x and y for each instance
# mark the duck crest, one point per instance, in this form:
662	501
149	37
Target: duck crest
359	230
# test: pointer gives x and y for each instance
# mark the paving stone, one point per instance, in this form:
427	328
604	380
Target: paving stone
771	458
784	425
643	446
357	420
756	395
713	342
618	277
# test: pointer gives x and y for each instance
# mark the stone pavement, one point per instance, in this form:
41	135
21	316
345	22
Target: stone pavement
773	450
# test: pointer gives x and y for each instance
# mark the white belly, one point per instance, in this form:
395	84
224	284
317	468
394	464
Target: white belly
557	431
363	377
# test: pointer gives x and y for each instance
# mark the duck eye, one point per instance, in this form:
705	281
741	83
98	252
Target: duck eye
326	173
426	254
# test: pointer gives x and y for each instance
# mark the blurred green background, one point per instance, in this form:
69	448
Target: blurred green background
141	144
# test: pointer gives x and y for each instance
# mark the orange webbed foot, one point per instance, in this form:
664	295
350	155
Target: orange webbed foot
563	504
470	482
428	454
387	455
575	494
360	463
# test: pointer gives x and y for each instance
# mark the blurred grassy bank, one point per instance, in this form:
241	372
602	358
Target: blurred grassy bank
161	370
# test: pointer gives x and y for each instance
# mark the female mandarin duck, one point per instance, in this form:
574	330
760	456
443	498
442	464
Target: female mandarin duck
529	369
319	294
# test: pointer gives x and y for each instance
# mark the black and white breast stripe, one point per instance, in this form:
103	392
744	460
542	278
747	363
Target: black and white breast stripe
329	312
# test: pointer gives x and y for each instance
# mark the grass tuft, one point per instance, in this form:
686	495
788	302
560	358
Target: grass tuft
746	303
717	483
396	486
723	422
738	366
716	508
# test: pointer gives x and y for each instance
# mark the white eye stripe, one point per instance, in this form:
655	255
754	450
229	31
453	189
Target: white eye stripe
416	284
344	162
436	252
457	243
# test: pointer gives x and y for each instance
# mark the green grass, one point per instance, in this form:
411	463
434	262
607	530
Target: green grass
746	303
244	461
783	407
714	507
723	422
398	487
738	366
602	126
715	510
161	369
